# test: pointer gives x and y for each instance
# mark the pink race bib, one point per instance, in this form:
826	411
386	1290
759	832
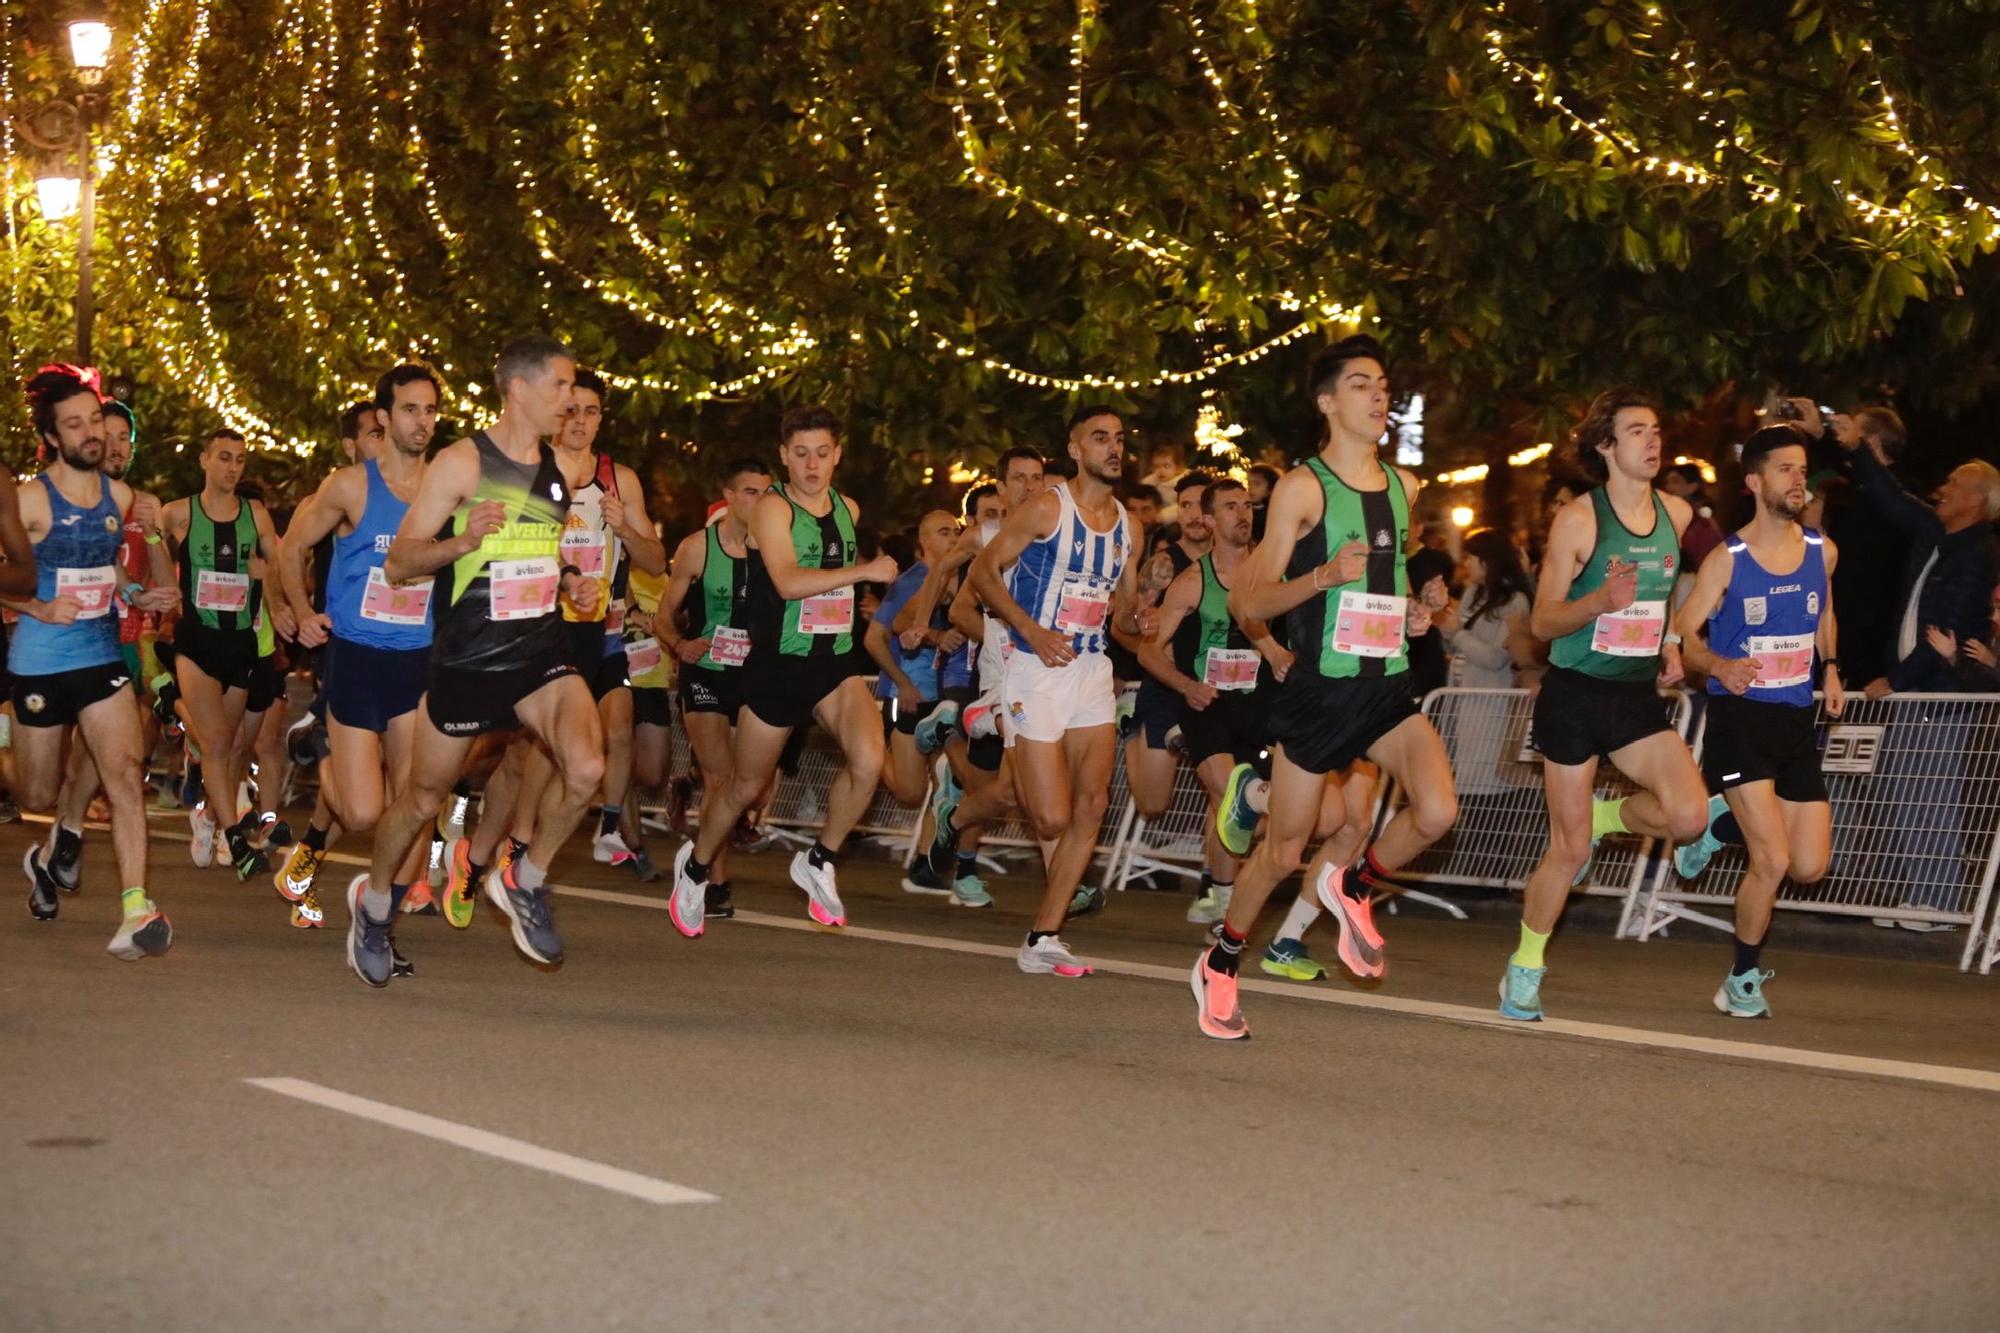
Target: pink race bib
1786	660
1230	669
1368	625
828	613
93	589
395	603
1082	607
522	589
729	647
1637	631
215	590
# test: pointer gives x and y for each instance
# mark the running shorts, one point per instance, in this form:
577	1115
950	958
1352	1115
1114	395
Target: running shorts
1323	724
58	698
651	707
227	657
1156	712
373	686
1041	703
603	672
712	690
784	691
1236	723
1751	740
469	703
1579	718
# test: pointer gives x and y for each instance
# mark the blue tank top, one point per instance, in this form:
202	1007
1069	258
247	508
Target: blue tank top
79	556
1065	580
364	607
1773	618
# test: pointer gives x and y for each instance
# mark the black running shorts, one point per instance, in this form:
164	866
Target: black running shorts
467	703
1749	740
1324	725
59	698
1579	718
1236	723
227	657
712	690
783	691
651	707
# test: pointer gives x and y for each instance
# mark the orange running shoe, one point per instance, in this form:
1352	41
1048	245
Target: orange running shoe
306	912
1360	945
1216	1010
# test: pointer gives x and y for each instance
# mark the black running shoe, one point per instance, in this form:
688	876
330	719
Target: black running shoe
66	866
41	888
248	860
399	966
718	903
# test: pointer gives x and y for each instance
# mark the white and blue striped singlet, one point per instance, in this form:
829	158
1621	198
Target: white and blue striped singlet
1065	580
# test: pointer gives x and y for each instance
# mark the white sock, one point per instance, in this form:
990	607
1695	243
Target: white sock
528	876
1304	912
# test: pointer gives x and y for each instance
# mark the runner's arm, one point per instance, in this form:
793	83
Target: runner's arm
1691	622
1571	536
690	559
635	527
17	576
1034	520
1262	591
1827	639
965	614
449	480
280	610
320	515
159	561
771	529
1154	654
916	613
879	647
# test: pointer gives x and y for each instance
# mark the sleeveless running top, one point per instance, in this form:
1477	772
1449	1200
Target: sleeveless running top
494	608
1773	618
1624	645
1354	629
78	558
217	585
133	567
645	660
364	606
821	626
1210	646
725	595
1065	580
590	545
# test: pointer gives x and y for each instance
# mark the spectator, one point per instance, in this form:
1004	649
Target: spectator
1557	491
1486	631
1428	562
1703	534
1163	464
1872	553
1259	481
1142	502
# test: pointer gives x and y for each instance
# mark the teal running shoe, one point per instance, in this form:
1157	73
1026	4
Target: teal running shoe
1743	997
1289	959
1521	993
1085	902
943	851
1583	871
970	891
1690	859
936	727
1235	821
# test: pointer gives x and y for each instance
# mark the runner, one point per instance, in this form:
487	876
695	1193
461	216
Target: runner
647	670
64	660
1601	602
804	566
1765	597
716	561
908	661
215	535
375	636
487	523
1332	562
1071	573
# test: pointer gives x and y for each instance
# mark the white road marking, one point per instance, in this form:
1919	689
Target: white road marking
613	1178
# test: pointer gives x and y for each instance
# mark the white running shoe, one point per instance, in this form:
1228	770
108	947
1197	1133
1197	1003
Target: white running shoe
822	892
202	845
610	849
452	825
1211	907
1049	956
687	905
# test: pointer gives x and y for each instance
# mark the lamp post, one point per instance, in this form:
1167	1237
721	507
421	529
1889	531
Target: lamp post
65	184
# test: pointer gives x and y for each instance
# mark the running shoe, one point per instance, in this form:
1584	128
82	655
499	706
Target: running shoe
143	934
687	905
245	857
9	812
943	852
1289	959
202	845
65	866
980	720
42	903
1521	993
1743	997
451	821
970	891
609	849
460	893
368	949
300	746
1235	821
1360	944
642	867
1216	1012
936	726
1691	858
920	878
418	900
720	905
1175	744
1210	907
943	778
436	867
1049	956
528	916
822	893
294	879
399	966
1086	901
276	832
307	914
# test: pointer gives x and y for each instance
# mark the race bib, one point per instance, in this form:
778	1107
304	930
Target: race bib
729	647
93	589
1637	631
1083	606
1786	660
584	548
1231	668
1369	625
217	591
522	589
395	604
614	618
642	656
828	613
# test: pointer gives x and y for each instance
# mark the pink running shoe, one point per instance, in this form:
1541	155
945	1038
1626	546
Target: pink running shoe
1049	956
1360	943
1216	1010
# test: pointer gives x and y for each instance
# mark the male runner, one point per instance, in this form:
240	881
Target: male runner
1332	561
487	523
376	634
1602	603
651	677
1765	597
1070	556
909	661
1150	765
215	534
64	661
716	561
804	566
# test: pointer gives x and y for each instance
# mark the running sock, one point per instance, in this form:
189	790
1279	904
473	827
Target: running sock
462	789
607	819
1746	957
398	892
377	904
1366	875
315	838
1725	829
528	876
1607	817
1227	955
1207	883
968	865
697	871
821	856
134	901
1297	921
516	848
1037	936
1532	943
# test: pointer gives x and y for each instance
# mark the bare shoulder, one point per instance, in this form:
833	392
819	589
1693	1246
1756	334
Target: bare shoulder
1412	483
627	480
1678	509
1185	590
692	550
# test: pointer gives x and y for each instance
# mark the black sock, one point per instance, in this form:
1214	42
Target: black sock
968	864
462	788
517	847
1207	882
315	838
397	892
720	888
1362	880
1227	955
697	871
475	874
69	842
1037	936
607	819
1725	829
1746	957
821	856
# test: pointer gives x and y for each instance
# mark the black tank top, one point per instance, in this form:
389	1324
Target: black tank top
523	556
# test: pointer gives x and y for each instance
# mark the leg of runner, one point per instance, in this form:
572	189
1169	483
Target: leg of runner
1783	838
537	775
563	717
1413	754
496	808
79	788
110	727
614	715
1064	788
907	772
708	737
1149	770
753	766
1220	864
849	715
1672	803
213	716
436	760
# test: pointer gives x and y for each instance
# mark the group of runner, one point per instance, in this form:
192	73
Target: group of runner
500	612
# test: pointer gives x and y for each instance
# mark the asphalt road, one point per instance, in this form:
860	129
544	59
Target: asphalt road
900	1131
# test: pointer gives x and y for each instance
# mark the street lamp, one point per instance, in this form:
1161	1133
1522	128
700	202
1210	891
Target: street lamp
90	49
58	193
65	184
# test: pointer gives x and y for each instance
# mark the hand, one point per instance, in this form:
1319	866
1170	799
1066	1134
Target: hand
691	651
283	621
1349	563
1434	593
1942	641
1159	573
912	639
1878	688
964	549
1199	694
1052	648
583	591
1417	620
1836	693
314	629
1280	658
1450	618
158	599
484	520
1981	654
1621	585
1736	673
145	512
1146	621
1808	417
950	641
882	569
1671	670
613	510
61	611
